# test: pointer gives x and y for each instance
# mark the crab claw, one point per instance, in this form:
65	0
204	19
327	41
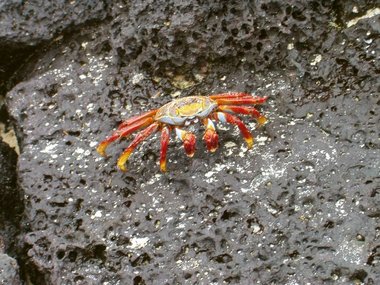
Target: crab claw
189	144
165	135
101	149
188	140
261	120
210	137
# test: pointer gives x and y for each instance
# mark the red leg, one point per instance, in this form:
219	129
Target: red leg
244	110
165	135
188	140
242	101
210	137
230	95
123	132
228	118
135	119
137	140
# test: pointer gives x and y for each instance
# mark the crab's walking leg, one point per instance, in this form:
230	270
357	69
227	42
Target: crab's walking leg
228	118
188	140
210	137
165	135
241	101
123	132
137	118
137	140
246	110
230	95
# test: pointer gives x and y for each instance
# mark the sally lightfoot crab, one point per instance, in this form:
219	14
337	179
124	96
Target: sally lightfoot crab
183	112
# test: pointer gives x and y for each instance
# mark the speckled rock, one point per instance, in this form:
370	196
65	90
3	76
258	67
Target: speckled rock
29	23
301	207
10	209
26	26
8	183
10	198
8	270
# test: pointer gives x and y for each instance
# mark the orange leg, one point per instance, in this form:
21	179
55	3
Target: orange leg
210	137
123	132
138	118
165	135
228	118
242	101
188	140
244	110
137	140
230	95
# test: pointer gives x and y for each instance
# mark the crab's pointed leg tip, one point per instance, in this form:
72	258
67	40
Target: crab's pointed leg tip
212	149
121	163
261	120
101	149
191	154
122	167
163	167
249	143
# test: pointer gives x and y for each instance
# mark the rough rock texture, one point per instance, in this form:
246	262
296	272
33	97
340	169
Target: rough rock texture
25	25
30	23
10	197
10	209
8	270
301	207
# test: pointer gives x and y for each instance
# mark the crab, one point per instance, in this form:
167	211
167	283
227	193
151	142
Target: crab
183	112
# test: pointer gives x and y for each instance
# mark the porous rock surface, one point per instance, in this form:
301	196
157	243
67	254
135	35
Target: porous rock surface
301	207
10	210
8	270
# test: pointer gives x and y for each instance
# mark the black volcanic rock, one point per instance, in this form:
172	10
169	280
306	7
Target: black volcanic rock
301	207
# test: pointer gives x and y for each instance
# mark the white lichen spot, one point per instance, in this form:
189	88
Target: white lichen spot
256	228
199	77
339	207
137	243
350	251
49	148
90	107
176	94
316	59
187	264
370	13
260	140
84	45
137	78
98	214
